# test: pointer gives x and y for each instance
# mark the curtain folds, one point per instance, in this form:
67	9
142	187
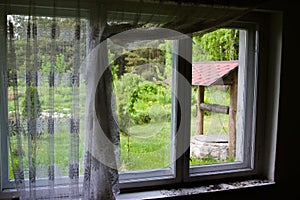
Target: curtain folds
102	135
40	125
62	124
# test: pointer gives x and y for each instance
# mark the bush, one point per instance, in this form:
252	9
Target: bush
33	107
140	118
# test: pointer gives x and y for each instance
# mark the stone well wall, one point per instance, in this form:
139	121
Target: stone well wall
215	145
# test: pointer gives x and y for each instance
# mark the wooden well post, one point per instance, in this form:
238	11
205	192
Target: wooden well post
232	115
229	110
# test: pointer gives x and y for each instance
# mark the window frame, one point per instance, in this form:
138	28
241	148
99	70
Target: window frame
4	169
180	171
248	69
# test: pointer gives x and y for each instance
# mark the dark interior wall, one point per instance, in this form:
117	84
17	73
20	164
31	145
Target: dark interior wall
288	158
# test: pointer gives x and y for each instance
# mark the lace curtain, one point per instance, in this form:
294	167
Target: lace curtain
63	129
102	134
46	82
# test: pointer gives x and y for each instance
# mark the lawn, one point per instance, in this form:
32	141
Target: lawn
147	146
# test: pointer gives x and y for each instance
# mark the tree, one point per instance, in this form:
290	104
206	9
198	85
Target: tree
221	44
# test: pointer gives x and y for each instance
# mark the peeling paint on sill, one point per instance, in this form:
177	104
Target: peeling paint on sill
215	187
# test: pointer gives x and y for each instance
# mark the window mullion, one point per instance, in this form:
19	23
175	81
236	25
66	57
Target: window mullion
182	75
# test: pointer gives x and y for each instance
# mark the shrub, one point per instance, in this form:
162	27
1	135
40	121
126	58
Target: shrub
35	104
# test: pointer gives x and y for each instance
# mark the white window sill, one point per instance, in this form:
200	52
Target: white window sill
160	194
157	194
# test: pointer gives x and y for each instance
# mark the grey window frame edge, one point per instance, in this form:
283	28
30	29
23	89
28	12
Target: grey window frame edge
3	103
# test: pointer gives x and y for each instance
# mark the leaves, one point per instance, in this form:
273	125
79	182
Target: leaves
221	44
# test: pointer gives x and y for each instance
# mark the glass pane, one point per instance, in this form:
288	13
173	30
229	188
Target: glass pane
143	93
38	53
214	129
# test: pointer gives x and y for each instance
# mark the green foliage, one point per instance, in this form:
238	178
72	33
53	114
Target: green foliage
140	90
114	71
140	101
142	117
123	89
148	61
199	53
166	47
146	95
34	105
145	92
60	64
221	44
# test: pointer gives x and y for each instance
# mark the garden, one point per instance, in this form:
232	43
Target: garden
143	100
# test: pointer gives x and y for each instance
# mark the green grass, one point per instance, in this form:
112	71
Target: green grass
147	147
204	161
209	160
61	153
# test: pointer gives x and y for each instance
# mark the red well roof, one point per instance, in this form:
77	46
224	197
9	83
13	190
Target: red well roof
208	73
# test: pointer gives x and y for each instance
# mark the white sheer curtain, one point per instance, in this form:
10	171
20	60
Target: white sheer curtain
52	60
49	64
102	135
